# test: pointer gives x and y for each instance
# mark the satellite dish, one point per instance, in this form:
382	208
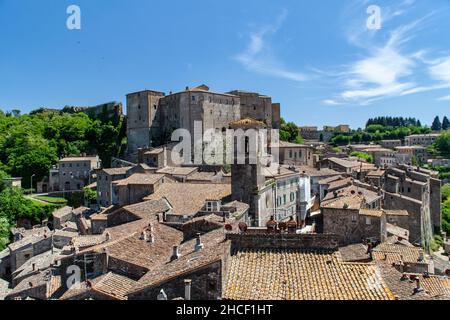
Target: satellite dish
243	226
228	227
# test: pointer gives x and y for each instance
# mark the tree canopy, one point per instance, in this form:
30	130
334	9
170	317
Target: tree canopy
32	143
437	125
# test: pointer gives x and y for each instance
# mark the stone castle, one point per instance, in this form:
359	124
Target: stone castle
153	115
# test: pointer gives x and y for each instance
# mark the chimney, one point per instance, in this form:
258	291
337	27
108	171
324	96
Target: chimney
401	266
279	169
224	218
175	254
33	266
187	289
198	243
369	250
421	256
418	288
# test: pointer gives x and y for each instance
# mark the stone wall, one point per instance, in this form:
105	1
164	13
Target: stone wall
206	285
351	226
96	265
283	241
394	201
126	269
435	204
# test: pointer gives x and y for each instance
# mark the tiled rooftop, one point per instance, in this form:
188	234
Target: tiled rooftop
177	171
301	275
116	171
213	250
393	253
189	198
146	208
348	202
113	285
62	212
140	178
132	249
435	287
313	172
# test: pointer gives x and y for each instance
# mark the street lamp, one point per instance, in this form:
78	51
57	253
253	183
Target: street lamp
32	184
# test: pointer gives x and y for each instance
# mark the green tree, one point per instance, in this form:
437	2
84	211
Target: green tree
445	123
90	195
362	155
4	233
442	144
445	192
436	126
3	175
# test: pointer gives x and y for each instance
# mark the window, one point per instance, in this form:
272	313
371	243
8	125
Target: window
354	218
284	199
290	153
212	206
193	98
368	221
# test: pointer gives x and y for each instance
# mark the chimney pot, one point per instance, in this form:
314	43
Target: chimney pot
198	243
33	266
175	254
187	289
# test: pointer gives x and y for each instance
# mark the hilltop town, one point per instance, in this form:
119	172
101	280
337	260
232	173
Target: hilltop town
304	218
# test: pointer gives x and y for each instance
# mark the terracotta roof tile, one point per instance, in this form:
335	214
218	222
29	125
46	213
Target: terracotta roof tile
190	198
301	275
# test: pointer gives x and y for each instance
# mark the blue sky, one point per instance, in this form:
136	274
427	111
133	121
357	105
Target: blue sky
317	58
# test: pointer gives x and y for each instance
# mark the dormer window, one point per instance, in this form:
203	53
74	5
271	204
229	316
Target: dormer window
212	206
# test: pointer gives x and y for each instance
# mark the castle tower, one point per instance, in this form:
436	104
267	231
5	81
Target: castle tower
143	123
247	179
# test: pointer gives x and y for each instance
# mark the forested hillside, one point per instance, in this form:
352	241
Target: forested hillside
32	143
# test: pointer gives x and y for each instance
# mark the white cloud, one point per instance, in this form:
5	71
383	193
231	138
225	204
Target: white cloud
389	70
331	102
257	57
440	70
382	73
446	98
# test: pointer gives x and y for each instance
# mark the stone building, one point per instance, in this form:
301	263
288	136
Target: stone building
105	179
75	172
132	189
153	116
295	154
391	144
268	188
418	191
347	217
423	140
418	152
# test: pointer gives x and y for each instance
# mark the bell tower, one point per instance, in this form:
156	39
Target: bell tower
247	177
